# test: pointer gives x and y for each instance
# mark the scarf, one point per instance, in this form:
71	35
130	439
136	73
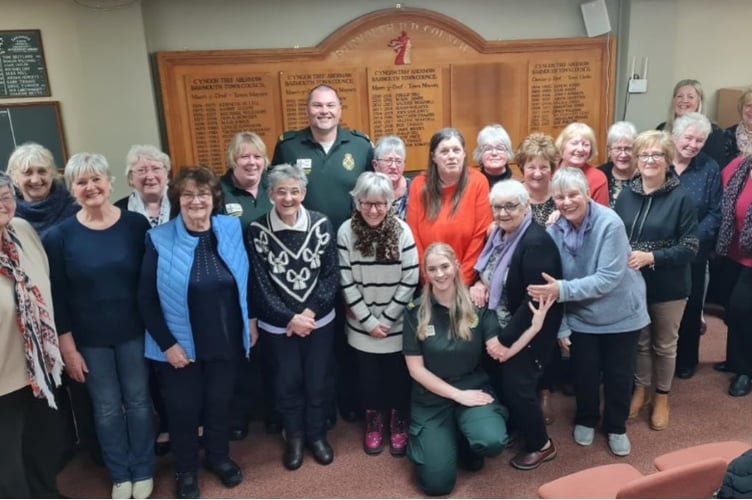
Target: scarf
574	236
381	241
136	204
728	212
44	214
497	243
43	361
743	140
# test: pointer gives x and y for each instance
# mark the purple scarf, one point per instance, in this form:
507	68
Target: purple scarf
497	243
574	236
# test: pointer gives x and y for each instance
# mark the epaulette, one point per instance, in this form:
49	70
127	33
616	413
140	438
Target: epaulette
362	135
286	136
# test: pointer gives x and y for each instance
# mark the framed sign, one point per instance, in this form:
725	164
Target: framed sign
23	72
38	122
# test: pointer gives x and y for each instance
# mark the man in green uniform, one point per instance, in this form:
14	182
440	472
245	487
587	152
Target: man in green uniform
332	157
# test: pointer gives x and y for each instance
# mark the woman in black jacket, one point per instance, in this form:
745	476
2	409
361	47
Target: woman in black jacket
661	223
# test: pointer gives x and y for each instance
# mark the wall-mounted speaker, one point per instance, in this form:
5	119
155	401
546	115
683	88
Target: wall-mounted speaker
595	16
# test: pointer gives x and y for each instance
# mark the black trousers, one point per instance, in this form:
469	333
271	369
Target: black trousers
739	321
519	385
254	388
344	367
302	382
385	382
610	357
32	443
688	346
198	394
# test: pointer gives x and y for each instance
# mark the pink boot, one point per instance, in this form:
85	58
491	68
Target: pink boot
373	443
398	429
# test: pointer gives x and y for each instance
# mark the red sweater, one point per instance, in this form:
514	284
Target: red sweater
464	231
598	184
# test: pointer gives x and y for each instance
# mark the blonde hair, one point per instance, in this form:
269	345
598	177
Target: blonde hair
577	129
30	154
687	82
651	138
461	313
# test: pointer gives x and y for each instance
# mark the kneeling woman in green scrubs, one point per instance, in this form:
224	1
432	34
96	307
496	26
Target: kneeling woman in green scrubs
454	413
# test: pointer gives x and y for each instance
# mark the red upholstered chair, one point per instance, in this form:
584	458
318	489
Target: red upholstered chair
695	480
727	450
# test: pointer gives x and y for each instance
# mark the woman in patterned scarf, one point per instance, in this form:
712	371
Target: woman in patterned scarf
30	361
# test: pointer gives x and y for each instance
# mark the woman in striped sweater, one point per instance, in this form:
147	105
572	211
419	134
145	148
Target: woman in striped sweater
378	273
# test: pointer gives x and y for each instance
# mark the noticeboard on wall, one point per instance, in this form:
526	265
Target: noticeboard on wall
38	122
23	72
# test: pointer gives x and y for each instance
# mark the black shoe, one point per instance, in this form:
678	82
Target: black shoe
322	451
272	426
740	386
187	485
227	471
685	372
723	366
293	457
239	433
472	462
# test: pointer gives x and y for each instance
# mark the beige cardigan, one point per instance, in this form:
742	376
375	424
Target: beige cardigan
34	263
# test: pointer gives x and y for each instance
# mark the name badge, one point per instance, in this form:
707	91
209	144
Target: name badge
430	331
305	164
234	209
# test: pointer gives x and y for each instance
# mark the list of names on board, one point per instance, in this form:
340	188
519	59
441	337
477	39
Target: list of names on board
22	68
560	92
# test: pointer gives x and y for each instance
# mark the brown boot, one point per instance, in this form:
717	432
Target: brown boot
659	418
640	400
545	401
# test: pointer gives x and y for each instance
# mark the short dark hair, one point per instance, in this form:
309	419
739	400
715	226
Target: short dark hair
201	176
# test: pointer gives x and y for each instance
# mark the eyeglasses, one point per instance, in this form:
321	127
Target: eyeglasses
490	148
203	196
624	149
143	172
643	157
378	205
397	162
7	200
507	207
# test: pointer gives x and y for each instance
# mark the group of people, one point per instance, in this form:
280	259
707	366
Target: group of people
438	309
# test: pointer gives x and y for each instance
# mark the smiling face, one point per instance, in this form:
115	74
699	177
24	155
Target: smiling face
324	111
440	272
149	178
575	152
373	210
287	196
620	154
91	189
7	206
449	157
35	182
689	143
494	158
249	166
651	162
196	202
537	174
508	213
572	204
686	100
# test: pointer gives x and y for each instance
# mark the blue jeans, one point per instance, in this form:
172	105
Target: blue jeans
118	382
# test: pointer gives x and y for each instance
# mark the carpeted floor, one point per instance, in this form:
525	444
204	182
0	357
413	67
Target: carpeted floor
701	411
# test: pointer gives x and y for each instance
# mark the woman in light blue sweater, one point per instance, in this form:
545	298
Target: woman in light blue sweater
605	307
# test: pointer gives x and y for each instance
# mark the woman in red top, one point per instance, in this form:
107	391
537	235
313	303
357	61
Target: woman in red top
576	145
449	202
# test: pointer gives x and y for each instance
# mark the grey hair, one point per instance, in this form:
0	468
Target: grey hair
570	178
30	154
387	144
5	180
696	120
285	172
491	134
145	151
508	188
81	163
373	184
621	131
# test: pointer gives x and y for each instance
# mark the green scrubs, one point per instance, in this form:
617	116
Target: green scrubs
438	424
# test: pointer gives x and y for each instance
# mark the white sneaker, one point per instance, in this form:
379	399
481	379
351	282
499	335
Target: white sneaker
619	444
122	490
143	488
583	435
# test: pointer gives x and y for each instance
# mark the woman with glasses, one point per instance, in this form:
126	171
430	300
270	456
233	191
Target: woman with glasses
517	254
193	295
700	177
577	147
389	159
147	170
661	224
620	167
449	202
492	153
378	274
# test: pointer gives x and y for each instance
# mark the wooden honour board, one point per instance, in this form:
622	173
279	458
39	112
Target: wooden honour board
402	71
